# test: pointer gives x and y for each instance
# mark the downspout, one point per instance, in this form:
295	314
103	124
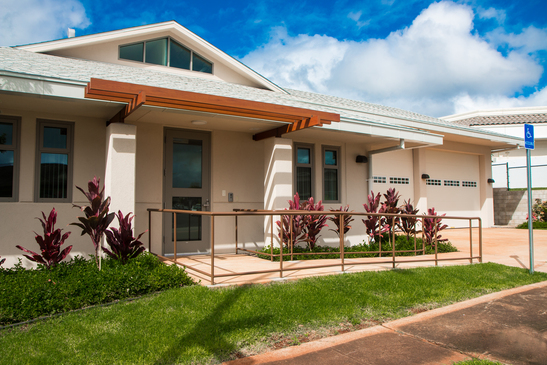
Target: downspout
370	179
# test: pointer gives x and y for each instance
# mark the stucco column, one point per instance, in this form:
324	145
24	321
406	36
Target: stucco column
278	181
121	147
420	188
486	190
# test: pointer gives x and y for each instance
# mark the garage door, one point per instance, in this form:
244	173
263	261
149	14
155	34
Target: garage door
453	186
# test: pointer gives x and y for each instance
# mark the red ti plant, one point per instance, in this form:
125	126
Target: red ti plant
50	243
297	222
390	205
432	225
336	220
313	223
97	219
374	225
123	246
2	261
408	224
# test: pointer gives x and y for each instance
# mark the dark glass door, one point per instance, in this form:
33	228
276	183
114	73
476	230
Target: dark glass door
187	187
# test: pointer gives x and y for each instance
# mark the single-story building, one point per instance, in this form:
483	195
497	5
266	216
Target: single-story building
167	120
509	166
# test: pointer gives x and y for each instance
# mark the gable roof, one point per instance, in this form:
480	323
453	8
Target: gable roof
22	64
180	32
500	116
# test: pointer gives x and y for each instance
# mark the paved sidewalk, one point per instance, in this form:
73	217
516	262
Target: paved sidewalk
508	326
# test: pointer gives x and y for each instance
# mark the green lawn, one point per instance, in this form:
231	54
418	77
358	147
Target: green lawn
197	325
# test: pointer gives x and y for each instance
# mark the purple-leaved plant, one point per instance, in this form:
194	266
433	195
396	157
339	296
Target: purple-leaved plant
297	222
313	223
432	225
50	243
123	246
336	220
374	225
97	219
306	227
408	224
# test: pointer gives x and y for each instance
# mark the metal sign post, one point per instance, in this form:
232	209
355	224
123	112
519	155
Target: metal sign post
529	145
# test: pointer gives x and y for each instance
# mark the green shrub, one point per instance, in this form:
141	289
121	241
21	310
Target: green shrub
535	225
27	294
401	244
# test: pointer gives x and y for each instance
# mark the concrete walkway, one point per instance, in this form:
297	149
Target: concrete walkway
508	246
509	326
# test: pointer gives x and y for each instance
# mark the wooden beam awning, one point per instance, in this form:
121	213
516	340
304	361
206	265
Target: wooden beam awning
136	95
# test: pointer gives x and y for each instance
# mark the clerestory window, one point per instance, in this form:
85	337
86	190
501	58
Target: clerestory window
165	52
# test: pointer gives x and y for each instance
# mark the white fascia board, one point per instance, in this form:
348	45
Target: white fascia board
480	134
39	85
385	130
172	26
455	129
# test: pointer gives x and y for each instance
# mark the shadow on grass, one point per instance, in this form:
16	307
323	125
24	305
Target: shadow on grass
211	333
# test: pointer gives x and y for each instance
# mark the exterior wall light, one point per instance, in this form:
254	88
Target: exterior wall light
425	176
199	122
361	159
491	181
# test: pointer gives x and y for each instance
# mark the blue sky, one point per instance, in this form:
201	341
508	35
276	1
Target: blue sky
437	58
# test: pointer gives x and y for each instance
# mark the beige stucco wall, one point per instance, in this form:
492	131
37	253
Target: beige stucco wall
243	167
18	218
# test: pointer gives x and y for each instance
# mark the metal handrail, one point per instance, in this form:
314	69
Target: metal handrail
340	214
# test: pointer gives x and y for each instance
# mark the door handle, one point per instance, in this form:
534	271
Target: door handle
206	205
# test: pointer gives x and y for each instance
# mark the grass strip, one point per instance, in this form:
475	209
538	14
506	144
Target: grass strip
197	325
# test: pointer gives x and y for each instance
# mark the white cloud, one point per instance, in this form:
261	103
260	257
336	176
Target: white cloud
302	62
530	40
492	13
427	67
464	102
28	21
356	17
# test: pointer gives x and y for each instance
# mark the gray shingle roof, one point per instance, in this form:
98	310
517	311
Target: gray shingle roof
43	65
504	119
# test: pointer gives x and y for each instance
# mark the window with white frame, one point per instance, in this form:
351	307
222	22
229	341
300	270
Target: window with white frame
165	52
303	173
379	179
54	156
9	158
331	174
